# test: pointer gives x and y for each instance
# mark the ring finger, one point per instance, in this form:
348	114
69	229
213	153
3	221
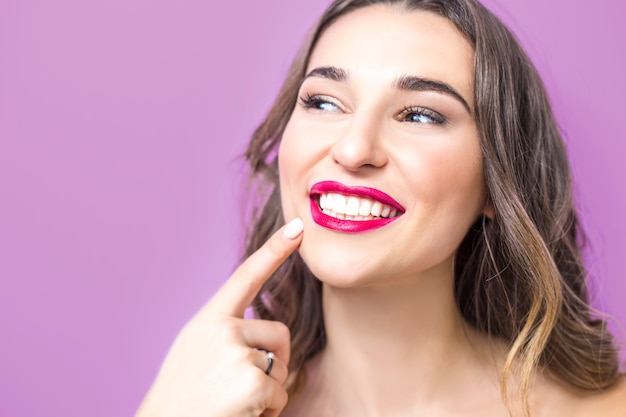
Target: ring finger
271	365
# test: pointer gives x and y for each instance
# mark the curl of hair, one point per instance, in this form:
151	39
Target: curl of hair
519	276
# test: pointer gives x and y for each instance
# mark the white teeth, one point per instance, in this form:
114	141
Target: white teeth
339	204
329	202
377	209
365	208
354	208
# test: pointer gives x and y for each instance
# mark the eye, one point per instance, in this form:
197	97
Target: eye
319	102
421	115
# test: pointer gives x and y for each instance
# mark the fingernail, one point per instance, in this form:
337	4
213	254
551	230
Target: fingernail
293	228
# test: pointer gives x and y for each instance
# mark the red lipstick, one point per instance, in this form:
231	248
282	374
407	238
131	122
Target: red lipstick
345	225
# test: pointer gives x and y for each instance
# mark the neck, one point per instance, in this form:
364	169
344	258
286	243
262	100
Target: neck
391	348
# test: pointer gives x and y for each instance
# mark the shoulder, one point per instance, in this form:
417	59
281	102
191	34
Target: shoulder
553	397
608	403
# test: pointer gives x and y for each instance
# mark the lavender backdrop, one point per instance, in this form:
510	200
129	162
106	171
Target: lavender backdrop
121	122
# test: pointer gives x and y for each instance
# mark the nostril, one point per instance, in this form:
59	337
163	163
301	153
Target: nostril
356	153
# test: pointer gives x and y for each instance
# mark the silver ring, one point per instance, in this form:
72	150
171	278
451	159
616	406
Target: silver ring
270	362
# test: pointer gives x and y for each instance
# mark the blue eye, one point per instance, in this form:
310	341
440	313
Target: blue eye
324	105
420	118
319	103
421	115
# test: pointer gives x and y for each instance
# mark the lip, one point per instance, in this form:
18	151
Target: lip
350	226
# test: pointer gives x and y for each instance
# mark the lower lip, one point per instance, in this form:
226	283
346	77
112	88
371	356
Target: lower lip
347	226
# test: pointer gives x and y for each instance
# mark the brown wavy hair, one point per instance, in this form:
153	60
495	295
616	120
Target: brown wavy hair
518	276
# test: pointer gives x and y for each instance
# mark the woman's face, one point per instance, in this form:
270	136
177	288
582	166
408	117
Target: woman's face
381	156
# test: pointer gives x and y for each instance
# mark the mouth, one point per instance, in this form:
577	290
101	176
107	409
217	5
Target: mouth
352	209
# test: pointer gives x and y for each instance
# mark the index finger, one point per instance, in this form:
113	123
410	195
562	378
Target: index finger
246	282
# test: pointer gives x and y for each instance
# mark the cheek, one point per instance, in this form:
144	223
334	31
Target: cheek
449	178
289	151
303	146
285	168
463	176
466	190
291	169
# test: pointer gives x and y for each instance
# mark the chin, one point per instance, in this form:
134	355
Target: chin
339	267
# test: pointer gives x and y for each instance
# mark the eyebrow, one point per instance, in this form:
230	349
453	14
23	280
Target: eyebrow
412	83
405	82
331	73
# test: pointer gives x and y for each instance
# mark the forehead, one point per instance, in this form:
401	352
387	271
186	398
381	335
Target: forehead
383	42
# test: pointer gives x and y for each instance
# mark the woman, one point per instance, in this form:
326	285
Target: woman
413	150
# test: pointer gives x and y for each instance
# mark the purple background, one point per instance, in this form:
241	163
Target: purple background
121	126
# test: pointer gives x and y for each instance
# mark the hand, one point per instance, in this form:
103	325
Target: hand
215	367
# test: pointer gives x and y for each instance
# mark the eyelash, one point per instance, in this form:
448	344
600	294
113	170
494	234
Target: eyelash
437	118
313	101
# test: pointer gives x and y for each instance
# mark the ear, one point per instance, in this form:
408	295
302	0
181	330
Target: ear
489	210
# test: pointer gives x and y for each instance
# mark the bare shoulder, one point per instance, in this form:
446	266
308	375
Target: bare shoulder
608	403
554	397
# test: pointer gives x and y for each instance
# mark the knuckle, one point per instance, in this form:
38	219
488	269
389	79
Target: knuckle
281	398
240	355
217	329
248	355
252	383
261	389
282	332
257	379
225	328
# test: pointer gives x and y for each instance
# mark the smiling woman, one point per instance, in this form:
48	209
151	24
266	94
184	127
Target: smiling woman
414	153
417	145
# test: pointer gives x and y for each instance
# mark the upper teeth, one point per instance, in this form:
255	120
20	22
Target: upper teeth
354	208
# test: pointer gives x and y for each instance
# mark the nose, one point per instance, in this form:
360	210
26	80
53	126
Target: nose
360	146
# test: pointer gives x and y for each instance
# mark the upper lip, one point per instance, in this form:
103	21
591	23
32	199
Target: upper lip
373	193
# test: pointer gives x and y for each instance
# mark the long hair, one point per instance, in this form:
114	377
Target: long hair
518	276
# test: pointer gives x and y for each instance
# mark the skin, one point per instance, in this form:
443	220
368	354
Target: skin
395	336
397	345
213	368
362	138
394	366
